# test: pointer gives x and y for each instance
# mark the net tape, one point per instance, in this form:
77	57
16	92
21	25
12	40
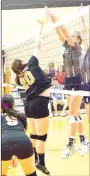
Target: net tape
59	91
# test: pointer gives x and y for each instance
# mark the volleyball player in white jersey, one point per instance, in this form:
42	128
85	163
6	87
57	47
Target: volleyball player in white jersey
85	68
73	81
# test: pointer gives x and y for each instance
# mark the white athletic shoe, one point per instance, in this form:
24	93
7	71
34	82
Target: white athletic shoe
68	151
85	146
56	114
51	115
63	114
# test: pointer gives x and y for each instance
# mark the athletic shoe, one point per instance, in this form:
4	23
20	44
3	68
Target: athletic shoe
85	145
68	151
56	114
42	168
63	114
51	115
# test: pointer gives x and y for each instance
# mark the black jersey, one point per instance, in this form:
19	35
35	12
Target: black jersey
71	58
34	79
13	132
10	124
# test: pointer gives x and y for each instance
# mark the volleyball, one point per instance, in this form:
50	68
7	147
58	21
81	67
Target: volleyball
42	18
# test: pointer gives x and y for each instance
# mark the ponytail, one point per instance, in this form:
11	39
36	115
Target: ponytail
13	113
7	104
17	80
80	39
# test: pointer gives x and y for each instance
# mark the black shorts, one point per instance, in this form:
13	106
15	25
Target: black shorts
86	87
17	144
37	107
73	83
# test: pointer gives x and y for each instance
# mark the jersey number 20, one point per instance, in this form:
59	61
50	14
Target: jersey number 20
27	80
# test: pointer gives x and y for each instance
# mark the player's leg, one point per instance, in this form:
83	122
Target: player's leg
38	109
41	121
64	108
31	125
27	165
74	106
42	126
55	103
50	108
33	136
87	108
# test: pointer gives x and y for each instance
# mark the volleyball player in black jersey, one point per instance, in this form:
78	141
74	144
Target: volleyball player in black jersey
73	80
14	141
37	86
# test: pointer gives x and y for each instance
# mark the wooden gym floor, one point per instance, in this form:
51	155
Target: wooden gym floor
57	139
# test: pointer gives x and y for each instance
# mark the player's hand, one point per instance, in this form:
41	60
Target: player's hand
47	11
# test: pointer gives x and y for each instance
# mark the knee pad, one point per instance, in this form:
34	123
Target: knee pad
79	118
33	136
73	119
42	138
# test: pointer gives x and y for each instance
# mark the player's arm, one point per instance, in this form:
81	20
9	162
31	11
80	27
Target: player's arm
61	30
37	49
84	31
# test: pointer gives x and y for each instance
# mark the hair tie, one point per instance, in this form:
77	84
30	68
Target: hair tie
5	105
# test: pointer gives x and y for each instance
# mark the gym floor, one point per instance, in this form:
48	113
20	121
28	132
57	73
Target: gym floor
56	142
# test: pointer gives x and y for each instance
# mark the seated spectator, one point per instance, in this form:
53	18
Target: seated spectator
47	74
60	75
57	100
52	70
63	114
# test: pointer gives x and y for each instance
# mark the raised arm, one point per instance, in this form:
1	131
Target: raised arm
61	30
37	49
84	31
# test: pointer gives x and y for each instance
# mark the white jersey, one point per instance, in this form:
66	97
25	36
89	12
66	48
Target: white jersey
71	58
85	66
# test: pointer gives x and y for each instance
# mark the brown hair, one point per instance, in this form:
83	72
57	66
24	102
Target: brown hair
78	35
18	66
51	64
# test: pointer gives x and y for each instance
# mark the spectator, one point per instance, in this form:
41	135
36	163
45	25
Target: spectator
57	100
47	74
51	70
60	75
63	114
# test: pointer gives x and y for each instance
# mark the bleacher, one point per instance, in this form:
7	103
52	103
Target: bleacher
19	104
